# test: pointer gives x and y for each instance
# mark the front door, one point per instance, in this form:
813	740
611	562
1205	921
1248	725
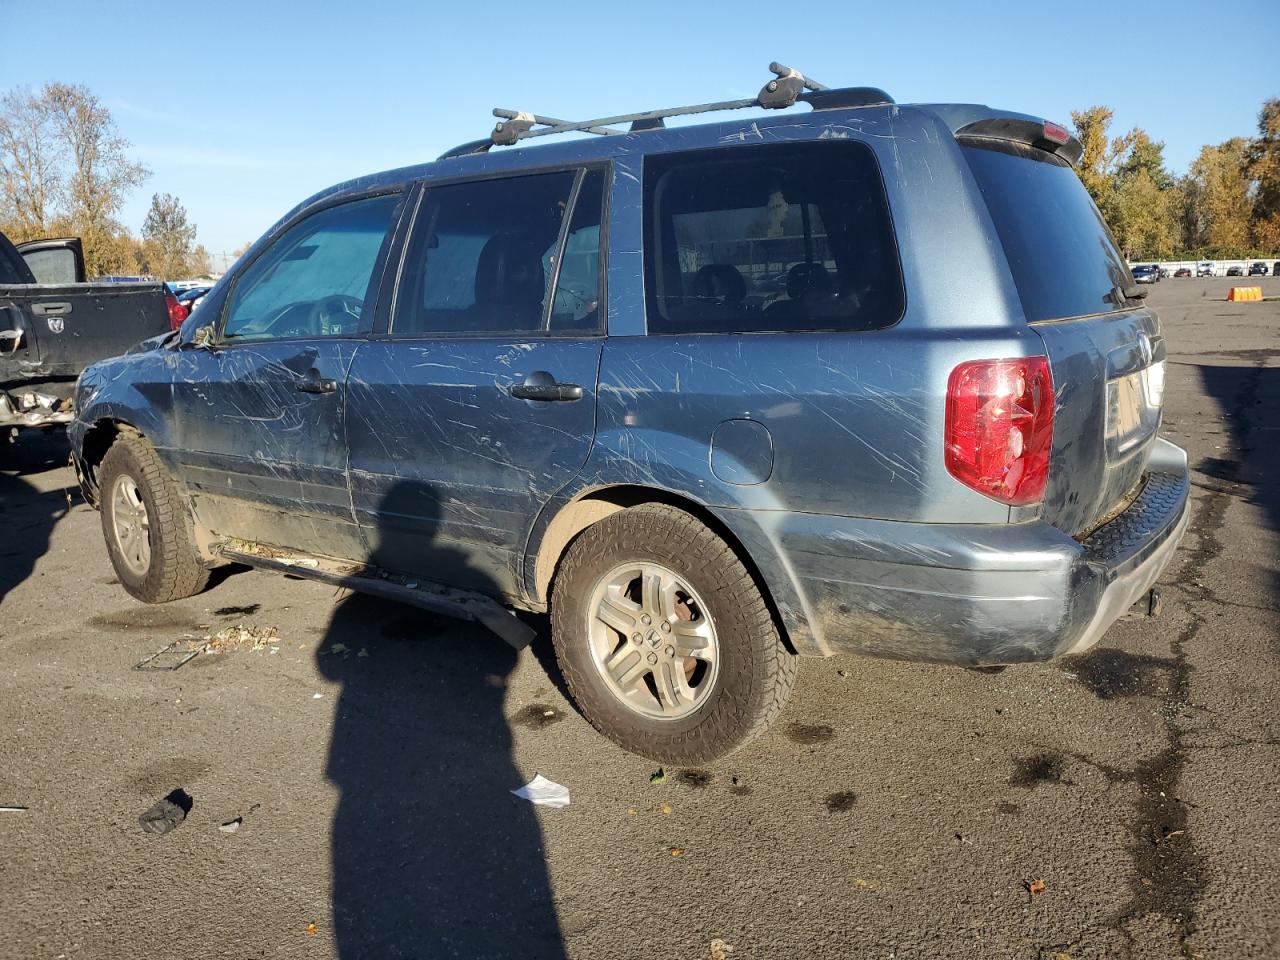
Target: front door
479	403
261	437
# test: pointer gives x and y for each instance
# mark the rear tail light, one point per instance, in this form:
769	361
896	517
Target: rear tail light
999	427
177	312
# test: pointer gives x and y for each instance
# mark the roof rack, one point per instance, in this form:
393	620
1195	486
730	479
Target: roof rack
785	90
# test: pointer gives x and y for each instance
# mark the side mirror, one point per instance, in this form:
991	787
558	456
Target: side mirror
193	337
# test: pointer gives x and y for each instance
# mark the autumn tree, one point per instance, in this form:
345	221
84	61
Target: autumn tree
1220	205
64	170
30	162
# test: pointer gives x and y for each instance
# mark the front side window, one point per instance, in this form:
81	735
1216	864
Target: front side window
316	279
483	257
769	239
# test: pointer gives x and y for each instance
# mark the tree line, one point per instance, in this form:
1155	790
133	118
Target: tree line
1226	207
65	171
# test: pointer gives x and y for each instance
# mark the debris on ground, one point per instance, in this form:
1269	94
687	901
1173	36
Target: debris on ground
241	637
311	929
719	950
666	809
658	776
12	809
166	814
1035	887
232	825
676	851
544	792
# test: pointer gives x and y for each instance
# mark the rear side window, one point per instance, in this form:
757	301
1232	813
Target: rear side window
769	239
483	257
1063	259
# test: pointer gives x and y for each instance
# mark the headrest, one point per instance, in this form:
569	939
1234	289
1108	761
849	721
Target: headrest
510	270
721	282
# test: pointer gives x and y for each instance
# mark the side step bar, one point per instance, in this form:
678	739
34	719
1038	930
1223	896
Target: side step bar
460	604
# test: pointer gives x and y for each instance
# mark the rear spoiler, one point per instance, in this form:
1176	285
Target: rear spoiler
1040	134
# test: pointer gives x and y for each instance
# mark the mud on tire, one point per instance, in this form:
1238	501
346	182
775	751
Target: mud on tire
154	557
754	671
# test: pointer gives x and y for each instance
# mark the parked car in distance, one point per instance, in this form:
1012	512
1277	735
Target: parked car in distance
1146	273
1258	269
1235	271
191	297
1275	269
1182	272
418	384
1205	269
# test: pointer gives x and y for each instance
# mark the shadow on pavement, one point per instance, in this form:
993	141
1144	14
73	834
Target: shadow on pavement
432	855
27	514
1249	397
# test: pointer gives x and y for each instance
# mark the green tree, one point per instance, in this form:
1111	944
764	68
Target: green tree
168	238
1262	161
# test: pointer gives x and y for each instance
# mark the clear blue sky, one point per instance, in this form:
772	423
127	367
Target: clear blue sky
242	109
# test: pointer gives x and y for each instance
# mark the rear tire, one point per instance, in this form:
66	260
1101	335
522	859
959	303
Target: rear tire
145	525
709	671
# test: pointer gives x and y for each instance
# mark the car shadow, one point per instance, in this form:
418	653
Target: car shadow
28	514
432	855
1249	397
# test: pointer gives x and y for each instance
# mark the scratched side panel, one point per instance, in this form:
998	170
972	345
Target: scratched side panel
448	470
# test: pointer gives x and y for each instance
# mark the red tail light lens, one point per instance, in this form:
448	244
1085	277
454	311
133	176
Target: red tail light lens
999	427
177	312
1056	133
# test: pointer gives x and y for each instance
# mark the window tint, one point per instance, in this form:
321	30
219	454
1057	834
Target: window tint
576	305
52	266
1062	256
482	257
314	280
772	238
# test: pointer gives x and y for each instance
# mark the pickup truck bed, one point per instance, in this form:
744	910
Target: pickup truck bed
50	332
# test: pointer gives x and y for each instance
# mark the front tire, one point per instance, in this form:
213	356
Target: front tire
145	525
664	639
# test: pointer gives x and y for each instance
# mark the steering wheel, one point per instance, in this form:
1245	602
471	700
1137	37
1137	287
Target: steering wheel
334	315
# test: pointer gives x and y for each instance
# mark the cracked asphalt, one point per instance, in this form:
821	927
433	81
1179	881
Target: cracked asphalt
1125	803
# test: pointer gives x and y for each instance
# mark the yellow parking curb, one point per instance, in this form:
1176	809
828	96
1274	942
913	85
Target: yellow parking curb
1245	294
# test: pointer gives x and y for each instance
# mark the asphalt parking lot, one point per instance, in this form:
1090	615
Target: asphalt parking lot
1125	803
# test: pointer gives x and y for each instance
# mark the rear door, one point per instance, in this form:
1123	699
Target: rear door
1105	347
478	404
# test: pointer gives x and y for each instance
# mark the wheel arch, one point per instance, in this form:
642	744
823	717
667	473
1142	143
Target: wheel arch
589	507
97	440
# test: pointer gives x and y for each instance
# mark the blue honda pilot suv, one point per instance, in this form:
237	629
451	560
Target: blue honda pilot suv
862	378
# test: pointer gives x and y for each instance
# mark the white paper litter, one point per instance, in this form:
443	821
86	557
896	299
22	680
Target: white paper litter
544	792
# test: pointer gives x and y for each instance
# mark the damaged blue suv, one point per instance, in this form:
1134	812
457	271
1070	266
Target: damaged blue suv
858	378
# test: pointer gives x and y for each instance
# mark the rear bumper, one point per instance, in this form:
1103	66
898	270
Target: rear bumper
974	595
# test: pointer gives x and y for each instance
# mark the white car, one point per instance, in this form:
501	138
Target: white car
1206	269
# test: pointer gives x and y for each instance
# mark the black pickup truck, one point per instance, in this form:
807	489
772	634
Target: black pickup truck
53	324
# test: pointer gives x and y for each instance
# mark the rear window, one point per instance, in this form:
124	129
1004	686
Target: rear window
769	239
1062	256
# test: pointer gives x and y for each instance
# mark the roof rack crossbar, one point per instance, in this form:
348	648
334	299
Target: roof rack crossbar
629	117
548	121
786	89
